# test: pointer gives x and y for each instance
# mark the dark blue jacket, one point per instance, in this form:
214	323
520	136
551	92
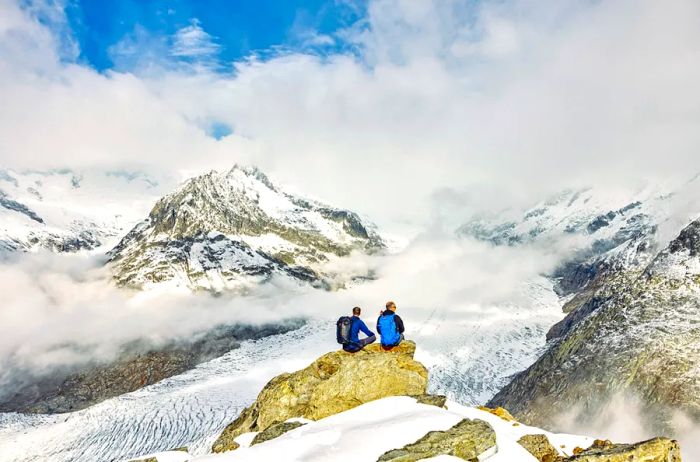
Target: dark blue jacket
357	326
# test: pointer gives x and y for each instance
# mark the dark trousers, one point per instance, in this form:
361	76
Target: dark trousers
367	340
353	347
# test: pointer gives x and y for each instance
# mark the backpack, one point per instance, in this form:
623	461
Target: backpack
342	332
388	330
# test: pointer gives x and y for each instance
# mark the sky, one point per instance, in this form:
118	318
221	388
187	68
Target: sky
228	30
386	107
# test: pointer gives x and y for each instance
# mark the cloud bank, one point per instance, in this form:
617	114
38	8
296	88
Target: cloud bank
505	100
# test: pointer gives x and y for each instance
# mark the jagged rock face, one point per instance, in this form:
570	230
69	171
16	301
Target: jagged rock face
335	382
467	440
227	231
641	341
654	450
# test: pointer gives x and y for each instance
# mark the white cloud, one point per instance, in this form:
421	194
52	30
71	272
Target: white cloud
194	42
518	97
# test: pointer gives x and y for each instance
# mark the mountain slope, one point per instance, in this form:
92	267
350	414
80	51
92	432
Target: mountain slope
232	230
600	237
642	340
70	210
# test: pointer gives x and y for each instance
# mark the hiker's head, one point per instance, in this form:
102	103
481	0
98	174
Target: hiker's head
356	311
391	306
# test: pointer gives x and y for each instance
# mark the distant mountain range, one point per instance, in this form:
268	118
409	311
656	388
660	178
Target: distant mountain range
629	277
68	211
225	231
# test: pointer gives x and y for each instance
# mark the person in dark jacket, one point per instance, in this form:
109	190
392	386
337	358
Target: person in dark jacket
390	326
358	325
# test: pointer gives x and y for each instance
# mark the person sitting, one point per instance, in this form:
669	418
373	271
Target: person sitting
390	326
349	332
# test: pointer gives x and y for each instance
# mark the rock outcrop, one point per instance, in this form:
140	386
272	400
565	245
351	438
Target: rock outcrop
273	431
539	446
467	440
335	382
338	391
654	450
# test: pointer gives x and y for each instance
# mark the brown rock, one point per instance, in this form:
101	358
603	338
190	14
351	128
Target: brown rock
654	450
499	411
335	382
540	447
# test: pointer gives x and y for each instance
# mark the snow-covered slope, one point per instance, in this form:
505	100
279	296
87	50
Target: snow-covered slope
236	229
70	210
368	431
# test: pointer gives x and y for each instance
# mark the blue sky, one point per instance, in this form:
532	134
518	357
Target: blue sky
115	34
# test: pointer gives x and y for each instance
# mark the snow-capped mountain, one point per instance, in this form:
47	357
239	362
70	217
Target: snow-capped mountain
70	210
631	300
236	229
595	233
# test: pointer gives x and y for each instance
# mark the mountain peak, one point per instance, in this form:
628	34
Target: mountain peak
219	229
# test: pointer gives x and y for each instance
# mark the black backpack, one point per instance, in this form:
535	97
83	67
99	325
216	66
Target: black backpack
342	332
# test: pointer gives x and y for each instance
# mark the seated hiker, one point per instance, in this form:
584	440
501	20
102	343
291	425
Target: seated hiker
390	326
348	332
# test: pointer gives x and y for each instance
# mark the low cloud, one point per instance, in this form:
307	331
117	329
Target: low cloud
64	310
623	419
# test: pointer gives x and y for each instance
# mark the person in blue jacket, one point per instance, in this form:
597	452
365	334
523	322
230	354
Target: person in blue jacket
358	325
390	326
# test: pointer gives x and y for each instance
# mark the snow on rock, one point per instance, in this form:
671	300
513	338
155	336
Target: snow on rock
332	383
234	230
368	431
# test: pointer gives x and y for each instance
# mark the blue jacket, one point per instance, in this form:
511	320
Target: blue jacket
357	326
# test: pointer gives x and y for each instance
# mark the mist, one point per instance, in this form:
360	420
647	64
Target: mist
63	310
623	419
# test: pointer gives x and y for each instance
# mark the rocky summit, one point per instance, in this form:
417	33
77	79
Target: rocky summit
335	382
230	231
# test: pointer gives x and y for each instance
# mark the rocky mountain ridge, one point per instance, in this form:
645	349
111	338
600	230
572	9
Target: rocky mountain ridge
234	230
637	338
